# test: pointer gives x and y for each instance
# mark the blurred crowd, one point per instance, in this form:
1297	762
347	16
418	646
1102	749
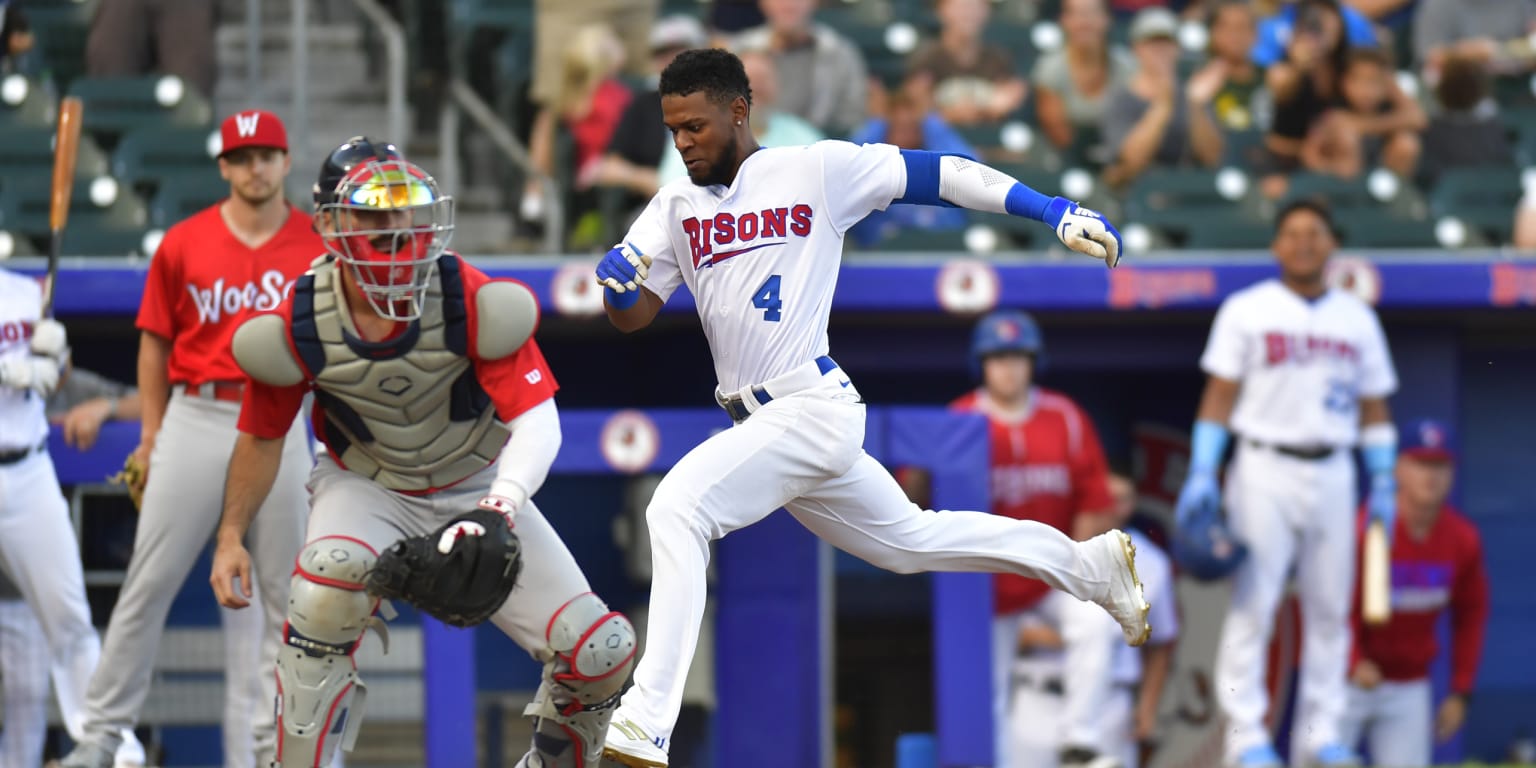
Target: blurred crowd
1340	89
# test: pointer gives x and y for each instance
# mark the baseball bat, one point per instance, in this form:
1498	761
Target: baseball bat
1376	572
66	147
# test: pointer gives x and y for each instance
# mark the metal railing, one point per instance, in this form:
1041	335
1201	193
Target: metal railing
394	50
462	98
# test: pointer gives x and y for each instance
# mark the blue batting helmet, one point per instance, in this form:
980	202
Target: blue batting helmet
1206	549
1006	331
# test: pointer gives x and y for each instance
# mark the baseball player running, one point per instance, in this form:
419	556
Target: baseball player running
437	412
211	272
1437	565
38	550
1300	373
1047	466
757	235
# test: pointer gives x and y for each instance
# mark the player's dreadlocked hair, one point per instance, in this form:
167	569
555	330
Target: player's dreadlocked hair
716	72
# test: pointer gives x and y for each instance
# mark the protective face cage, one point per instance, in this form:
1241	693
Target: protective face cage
389	223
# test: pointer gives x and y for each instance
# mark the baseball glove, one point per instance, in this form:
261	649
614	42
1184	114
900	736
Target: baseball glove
461	573
132	476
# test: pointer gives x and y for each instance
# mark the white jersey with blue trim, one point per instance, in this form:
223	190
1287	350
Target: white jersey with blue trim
22	421
761	256
1304	365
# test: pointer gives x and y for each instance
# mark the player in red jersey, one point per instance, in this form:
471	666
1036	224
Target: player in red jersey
1437	565
1047	466
210	273
432	399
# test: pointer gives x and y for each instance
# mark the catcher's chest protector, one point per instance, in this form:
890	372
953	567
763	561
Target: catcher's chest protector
407	413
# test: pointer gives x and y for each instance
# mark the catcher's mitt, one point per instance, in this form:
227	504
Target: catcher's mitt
461	573
132	476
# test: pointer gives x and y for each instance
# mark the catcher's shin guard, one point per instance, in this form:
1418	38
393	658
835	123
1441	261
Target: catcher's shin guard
319	696
586	664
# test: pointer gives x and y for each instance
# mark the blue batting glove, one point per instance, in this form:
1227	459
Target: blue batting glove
622	268
1083	230
1200	497
1382	504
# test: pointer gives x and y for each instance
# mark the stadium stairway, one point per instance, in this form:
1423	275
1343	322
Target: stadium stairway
346	87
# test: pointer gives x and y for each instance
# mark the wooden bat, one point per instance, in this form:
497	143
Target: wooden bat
66	147
1376	576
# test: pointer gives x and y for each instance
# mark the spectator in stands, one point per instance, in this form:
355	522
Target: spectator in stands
1525	223
1307	131
1151	120
1386	120
85	401
588	106
729	17
1394	16
1277	31
964	78
771	126
1238	103
641	139
1467	131
129	38
1492	32
15	37
1073	82
909	126
822	73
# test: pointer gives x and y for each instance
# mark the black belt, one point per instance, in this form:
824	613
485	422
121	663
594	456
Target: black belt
1305	453
11	457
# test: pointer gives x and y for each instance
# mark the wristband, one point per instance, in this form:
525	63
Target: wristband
1378	446
623	300
1207	445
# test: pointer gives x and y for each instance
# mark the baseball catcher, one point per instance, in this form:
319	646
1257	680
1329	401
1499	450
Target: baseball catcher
436	410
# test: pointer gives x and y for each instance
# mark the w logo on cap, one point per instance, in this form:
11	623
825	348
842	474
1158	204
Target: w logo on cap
245	124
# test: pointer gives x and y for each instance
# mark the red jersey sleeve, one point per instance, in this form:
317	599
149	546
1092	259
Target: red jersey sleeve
1090	471
157	312
1469	611
268	411
516	382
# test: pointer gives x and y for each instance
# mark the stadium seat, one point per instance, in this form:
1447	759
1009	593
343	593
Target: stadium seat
1336	192
1483	198
1177	200
1243	149
180	195
61	29
25	102
145	155
923	241
118	106
1376	228
15	244
25	149
24	208
1228	233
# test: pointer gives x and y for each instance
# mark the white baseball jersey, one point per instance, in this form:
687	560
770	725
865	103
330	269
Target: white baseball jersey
22	423
1304	365
761	256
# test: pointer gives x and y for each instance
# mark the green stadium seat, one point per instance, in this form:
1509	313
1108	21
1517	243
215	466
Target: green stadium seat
144	156
15	244
1483	198
117	106
923	241
61	29
1376	228
1244	149
1177	200
25	102
1337	192
25	149
180	195
1228	233
24	208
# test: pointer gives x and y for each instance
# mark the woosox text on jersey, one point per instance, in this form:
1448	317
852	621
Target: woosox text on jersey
263	295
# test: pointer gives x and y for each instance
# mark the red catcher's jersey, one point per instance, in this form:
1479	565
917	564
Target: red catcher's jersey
203	283
1048	467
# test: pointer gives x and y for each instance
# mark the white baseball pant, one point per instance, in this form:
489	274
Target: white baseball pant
1036	719
804	452
182	504
24	664
1395	720
1297	512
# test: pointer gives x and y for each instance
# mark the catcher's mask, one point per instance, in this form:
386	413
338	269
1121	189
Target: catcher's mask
388	221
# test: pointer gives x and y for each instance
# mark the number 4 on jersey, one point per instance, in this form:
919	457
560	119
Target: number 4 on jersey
767	299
